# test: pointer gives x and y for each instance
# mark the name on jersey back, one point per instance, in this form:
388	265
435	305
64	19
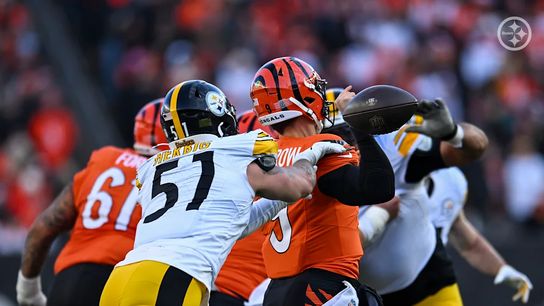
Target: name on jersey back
187	148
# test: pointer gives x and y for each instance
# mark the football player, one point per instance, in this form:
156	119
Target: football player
407	264
243	269
99	206
376	215
447	189
197	199
312	251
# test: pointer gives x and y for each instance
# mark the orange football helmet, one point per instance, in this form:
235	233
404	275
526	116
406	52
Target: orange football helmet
248	122
286	88
148	131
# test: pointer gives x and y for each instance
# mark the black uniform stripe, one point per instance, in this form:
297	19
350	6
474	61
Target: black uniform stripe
319	295
294	84
173	287
251	125
272	68
299	64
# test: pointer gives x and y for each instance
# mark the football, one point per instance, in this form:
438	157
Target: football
380	109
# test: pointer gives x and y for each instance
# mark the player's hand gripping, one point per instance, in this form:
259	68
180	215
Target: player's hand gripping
437	120
517	280
343	98
318	150
29	291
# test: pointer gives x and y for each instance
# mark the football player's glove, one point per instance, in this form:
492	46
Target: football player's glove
437	122
318	150
517	280
29	291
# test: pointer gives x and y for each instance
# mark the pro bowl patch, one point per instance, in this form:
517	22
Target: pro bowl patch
216	103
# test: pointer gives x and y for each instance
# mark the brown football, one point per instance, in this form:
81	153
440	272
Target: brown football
380	109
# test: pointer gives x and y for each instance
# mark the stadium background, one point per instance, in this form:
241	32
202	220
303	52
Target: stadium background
74	73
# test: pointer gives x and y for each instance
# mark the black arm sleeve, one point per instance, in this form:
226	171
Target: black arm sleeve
372	182
423	162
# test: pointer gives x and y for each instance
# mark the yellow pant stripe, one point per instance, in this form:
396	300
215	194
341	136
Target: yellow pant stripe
447	296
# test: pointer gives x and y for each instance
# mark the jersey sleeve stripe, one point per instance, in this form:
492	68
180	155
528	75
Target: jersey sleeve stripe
265	147
399	134
262	135
407	143
174	112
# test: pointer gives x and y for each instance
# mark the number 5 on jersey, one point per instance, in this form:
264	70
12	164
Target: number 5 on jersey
281	245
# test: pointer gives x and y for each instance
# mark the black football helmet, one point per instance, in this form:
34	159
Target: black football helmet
197	107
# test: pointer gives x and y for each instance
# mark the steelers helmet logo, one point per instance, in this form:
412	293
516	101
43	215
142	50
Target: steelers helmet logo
216	103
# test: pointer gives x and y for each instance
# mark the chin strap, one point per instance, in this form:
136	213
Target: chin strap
220	130
308	112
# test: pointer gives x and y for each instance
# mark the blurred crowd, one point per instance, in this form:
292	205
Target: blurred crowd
37	130
136	50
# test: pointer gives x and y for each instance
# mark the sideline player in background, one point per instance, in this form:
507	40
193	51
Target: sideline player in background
407	263
244	268
313	249
447	189
99	206
197	199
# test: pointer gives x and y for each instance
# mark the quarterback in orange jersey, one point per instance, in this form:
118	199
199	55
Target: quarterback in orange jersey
244	268
100	207
312	251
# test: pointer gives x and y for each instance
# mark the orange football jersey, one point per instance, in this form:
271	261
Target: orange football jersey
314	233
244	268
105	197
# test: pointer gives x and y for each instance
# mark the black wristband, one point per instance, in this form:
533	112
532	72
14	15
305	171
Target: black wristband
266	162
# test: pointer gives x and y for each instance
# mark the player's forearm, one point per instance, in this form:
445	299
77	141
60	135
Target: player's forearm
37	246
483	257
58	217
262	211
289	184
376	176
473	146
300	182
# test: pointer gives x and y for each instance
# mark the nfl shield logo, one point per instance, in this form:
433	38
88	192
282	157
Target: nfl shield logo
377	123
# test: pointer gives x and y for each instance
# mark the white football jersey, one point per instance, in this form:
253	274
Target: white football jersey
399	146
448	197
394	260
196	202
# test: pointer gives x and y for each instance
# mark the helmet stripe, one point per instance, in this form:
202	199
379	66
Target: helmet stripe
272	68
294	85
299	64
251	125
174	111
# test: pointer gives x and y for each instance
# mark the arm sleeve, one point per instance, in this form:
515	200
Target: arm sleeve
262	211
372	182
425	159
